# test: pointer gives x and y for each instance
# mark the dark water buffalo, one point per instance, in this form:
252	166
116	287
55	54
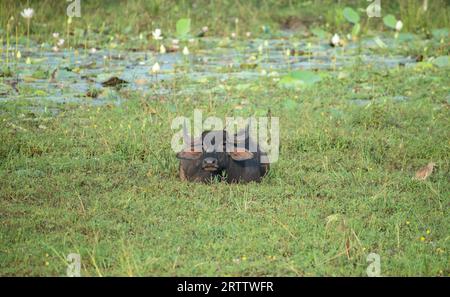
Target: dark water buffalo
214	155
244	161
204	160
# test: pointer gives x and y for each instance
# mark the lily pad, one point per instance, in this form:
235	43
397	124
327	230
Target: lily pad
41	74
319	33
442	61
390	21
351	15
440	33
307	77
183	27
406	37
298	79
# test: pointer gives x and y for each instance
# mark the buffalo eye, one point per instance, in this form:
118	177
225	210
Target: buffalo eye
241	156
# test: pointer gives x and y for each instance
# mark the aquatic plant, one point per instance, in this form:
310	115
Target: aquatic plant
27	14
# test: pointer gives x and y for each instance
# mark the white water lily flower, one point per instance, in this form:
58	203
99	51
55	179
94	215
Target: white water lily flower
60	42
205	28
156	68
162	49
248	34
157	34
335	40
27	13
233	35
55	49
93	50
399	25
55	35
185	51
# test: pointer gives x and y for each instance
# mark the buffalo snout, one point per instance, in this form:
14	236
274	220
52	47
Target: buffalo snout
210	164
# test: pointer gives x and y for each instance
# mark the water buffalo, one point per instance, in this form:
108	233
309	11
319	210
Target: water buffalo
244	164
204	160
214	154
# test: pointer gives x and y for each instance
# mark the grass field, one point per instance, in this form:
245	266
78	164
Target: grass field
101	180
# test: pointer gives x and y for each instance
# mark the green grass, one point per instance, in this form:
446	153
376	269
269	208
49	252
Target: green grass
102	182
113	17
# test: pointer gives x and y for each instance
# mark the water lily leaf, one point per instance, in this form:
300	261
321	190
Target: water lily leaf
307	77
351	15
440	33
289	82
40	93
442	61
319	33
41	74
390	21
298	79
183	27
406	36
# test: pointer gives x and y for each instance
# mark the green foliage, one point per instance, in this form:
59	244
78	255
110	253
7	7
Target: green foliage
440	33
442	61
351	15
320	33
299	79
356	29
390	21
183	28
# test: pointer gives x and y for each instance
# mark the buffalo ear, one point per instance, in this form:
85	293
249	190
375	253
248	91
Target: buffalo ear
189	155
241	156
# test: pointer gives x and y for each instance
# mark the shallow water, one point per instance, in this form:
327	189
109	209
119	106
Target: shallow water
210	58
